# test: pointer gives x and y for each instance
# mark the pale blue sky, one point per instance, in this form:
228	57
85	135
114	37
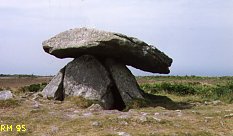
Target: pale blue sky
197	34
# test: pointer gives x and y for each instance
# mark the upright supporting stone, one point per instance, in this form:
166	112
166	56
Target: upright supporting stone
87	77
124	80
54	90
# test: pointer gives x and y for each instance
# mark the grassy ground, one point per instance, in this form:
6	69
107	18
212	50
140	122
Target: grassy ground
206	88
175	114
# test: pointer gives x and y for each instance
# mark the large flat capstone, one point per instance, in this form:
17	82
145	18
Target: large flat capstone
126	50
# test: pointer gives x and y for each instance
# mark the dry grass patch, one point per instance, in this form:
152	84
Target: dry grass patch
80	101
10	103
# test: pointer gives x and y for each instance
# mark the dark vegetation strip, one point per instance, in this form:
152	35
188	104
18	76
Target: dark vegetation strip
223	91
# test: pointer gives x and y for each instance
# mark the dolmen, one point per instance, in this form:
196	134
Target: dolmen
98	71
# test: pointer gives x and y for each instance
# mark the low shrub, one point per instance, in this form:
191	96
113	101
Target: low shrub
174	88
224	92
33	88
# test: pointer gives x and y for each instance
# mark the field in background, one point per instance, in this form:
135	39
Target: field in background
17	81
192	106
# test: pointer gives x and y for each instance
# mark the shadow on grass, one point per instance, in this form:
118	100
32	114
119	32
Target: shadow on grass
165	102
151	100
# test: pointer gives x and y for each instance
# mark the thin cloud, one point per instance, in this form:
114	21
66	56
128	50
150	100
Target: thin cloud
196	34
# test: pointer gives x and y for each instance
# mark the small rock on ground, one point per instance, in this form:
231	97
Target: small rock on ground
95	107
217	102
5	95
87	114
96	124
123	134
54	129
229	116
143	119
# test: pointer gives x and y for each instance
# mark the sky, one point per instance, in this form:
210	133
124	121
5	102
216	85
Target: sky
196	34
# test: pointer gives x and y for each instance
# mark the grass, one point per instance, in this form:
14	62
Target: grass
41	121
10	103
80	101
220	91
5	88
70	116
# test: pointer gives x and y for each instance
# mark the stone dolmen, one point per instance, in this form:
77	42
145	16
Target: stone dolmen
98	71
